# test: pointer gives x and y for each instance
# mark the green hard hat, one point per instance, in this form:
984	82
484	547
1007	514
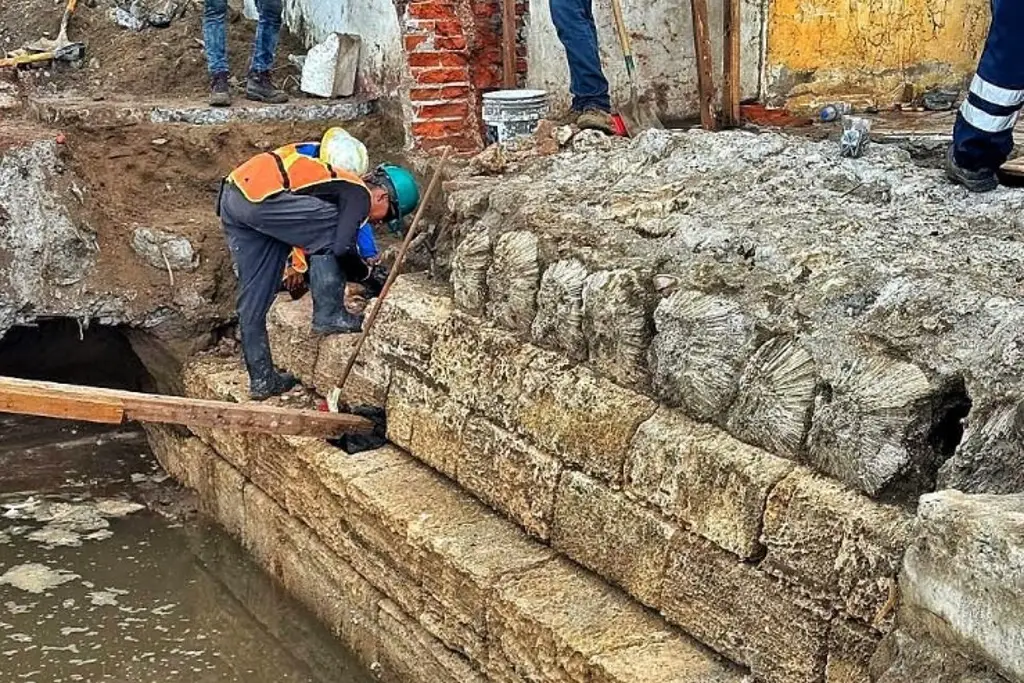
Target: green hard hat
402	188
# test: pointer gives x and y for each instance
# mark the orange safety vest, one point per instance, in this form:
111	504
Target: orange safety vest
286	170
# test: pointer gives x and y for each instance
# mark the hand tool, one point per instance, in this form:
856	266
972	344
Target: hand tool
637	115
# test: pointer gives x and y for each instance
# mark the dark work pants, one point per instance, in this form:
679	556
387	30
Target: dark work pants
260	237
574	22
983	135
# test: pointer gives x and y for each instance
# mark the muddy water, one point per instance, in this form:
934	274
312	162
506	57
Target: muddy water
97	586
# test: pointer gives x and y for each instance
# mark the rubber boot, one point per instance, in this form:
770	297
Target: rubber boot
264	379
975	181
327	284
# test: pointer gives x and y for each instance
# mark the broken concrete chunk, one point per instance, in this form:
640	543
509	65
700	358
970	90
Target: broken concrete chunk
588	514
559	321
164	250
775	397
617	308
329	69
699	350
470	263
697	474
513	280
871	426
744	613
966	567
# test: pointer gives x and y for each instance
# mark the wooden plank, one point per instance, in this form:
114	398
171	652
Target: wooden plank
705	69
49	399
508	30
731	69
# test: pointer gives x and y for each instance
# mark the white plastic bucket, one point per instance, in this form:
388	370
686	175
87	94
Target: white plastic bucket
510	114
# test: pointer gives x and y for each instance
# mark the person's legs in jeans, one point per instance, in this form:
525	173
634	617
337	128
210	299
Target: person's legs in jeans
258	86
983	134
574	22
215	17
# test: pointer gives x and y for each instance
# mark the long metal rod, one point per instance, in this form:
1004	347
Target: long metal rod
508	29
399	260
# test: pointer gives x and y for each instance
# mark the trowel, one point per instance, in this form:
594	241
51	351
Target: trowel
637	115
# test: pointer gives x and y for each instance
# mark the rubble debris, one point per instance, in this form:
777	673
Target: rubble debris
164	250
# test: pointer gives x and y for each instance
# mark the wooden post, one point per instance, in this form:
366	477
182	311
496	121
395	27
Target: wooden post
508	32
705	69
731	70
112	406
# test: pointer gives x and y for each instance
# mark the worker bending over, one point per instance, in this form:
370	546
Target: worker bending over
983	134
294	197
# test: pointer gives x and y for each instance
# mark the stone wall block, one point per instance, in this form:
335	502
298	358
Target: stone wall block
370	377
744	613
513	280
850	648
612	535
415	656
409	319
559	321
509	474
775	397
700	348
617	308
699	475
292	342
423	420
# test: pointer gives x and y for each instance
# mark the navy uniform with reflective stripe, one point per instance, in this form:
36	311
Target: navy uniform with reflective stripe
983	135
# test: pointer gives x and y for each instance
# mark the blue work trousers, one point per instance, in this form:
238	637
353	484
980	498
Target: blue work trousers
574	22
983	135
215	19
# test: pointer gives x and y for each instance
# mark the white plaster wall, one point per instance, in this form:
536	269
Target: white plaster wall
662	37
381	59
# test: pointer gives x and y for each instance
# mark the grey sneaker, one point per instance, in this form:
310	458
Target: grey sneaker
259	88
596	119
220	91
976	181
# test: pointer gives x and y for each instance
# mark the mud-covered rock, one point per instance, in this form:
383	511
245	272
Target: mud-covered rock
164	250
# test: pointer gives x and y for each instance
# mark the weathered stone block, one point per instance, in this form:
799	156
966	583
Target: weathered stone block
675	660
470	263
423	420
509	474
370	377
904	657
460	571
850	648
409	319
966	567
415	656
513	280
481	366
617	307
697	474
559	320
586	420
990	458
612	535
871	431
292	342
699	350
774	398
184	456
836	543
546	624
744	613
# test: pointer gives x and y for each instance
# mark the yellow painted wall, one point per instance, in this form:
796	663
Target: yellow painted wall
868	51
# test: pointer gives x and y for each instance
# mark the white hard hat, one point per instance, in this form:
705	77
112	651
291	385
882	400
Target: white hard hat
342	151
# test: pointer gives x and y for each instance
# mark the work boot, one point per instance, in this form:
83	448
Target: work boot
259	88
327	283
264	379
983	180
596	119
220	90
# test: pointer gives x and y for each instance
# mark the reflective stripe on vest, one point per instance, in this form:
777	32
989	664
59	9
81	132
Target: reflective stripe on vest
283	170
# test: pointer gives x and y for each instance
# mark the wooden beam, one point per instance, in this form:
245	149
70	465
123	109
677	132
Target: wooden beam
508	31
731	69
705	69
111	406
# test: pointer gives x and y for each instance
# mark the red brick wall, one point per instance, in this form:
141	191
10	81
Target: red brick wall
454	53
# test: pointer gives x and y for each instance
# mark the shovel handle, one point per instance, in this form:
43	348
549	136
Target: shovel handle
624	41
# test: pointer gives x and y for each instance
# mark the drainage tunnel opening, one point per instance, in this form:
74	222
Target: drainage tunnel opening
59	350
